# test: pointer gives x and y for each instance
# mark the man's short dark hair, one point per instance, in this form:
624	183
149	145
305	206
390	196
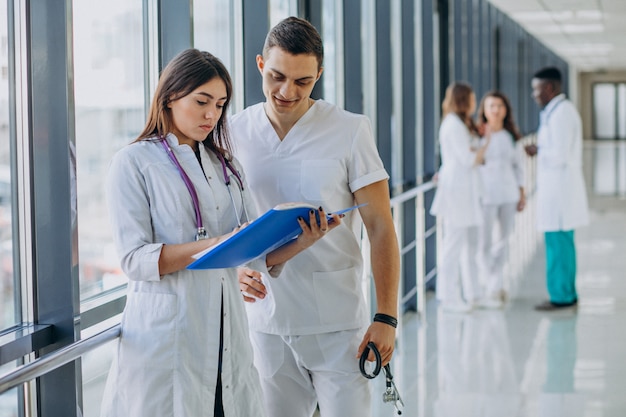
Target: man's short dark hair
549	74
296	36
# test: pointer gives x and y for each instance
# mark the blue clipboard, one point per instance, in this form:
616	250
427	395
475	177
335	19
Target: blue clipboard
270	231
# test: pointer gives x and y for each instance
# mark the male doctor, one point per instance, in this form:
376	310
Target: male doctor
310	325
561	195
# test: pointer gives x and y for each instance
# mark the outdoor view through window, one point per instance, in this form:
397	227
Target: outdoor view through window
109	93
8	313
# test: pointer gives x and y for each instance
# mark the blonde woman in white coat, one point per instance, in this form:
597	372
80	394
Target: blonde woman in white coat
503	195
184	348
457	201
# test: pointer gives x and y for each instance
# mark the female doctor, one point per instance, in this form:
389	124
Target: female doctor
184	347
502	177
457	201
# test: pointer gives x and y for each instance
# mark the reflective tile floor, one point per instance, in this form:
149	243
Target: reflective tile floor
517	362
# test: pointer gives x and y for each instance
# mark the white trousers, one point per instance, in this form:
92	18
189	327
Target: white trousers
498	224
298	372
457	270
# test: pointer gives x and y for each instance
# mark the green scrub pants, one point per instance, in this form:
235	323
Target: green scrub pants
561	266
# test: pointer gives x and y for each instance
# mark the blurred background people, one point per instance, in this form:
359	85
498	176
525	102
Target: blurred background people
561	195
502	177
457	201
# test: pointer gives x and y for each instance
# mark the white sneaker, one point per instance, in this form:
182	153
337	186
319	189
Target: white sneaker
456	307
489	302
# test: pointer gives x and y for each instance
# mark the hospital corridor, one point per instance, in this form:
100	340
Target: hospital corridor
517	362
478	148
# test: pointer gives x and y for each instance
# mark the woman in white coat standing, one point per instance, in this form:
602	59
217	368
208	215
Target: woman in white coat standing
457	201
184	348
502	177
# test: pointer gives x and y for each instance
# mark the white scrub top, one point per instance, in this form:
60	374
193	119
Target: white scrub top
166	362
502	175
561	195
326	156
457	197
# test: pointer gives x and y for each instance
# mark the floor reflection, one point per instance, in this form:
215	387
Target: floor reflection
609	168
476	374
558	396
517	362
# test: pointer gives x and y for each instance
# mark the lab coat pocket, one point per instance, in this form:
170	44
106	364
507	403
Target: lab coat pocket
336	294
321	179
149	331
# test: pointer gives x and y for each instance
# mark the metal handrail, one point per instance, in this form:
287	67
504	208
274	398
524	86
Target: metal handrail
57	359
412	193
52	361
419	289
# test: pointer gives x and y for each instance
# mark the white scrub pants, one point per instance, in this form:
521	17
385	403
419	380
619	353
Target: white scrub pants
298	372
495	249
457	276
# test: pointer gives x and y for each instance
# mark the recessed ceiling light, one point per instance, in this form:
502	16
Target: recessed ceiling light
558	16
532	16
588	28
589	14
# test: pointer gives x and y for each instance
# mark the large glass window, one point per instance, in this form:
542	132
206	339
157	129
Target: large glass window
280	9
109	100
333	39
96	366
110	113
8	293
213	27
8	403
214	23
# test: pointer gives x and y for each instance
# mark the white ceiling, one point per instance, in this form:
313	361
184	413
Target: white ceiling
589	34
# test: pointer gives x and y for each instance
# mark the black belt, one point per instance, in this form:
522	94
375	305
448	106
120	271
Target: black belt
391	393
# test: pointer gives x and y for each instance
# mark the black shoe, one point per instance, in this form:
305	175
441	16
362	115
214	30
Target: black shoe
550	306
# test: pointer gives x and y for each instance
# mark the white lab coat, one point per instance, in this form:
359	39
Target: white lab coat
166	362
457	198
561	195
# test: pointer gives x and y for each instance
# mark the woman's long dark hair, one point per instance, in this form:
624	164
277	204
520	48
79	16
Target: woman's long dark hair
508	122
458	101
187	71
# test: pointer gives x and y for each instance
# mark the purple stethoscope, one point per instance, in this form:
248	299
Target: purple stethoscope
226	165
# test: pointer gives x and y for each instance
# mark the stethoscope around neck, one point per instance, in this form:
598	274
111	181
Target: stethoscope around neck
201	232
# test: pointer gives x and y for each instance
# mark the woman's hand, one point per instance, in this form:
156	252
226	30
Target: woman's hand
531	150
480	152
522	200
480	155
250	284
312	232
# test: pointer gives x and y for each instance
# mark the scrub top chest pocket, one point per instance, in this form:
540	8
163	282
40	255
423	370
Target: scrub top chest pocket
321	179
